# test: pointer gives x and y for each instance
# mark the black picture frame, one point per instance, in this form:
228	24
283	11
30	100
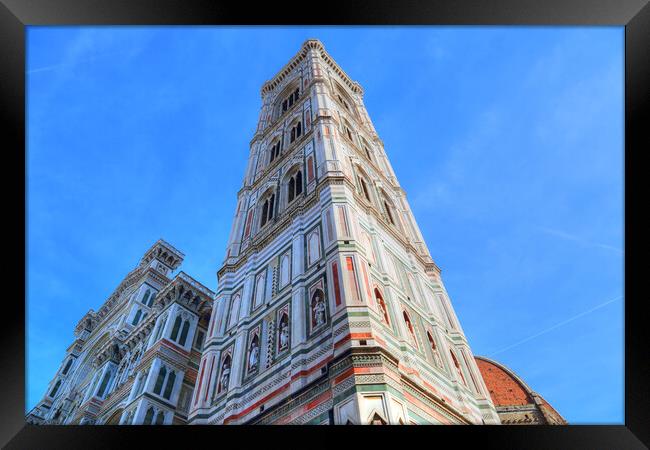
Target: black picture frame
15	15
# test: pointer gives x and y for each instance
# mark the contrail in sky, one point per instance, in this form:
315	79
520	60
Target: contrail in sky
557	325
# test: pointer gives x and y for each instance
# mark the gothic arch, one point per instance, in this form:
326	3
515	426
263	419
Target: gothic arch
114	419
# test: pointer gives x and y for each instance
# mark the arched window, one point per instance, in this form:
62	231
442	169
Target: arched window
348	131
67	367
409	328
171	379
161	326
148	418
186	329
153	295
275	151
176	328
136	319
160	418
366	148
294	186
388	213
458	368
267	210
289	98
298	183
143	380
434	349
160	380
296	131
382	306
55	389
146	296
102	387
292	189
366	193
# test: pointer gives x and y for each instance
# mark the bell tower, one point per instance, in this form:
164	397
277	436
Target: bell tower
330	308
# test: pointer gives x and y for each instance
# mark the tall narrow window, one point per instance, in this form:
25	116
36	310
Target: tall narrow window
388	213
161	326
176	328
434	350
199	340
296	131
171	379
382	307
294	186
299	183
148	418
146	296
102	387
458	368
364	188
265	211
292	189
160	418
153	295
159	381
409	328
67	367
186	329
271	205
55	389
136	319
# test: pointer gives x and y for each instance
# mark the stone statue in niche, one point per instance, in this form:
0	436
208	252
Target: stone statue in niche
382	310
225	375
253	355
284	333
318	308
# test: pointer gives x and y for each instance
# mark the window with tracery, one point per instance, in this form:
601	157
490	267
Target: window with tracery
267	210
294	186
275	151
296	132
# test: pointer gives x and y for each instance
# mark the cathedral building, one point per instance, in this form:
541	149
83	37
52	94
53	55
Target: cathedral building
329	308
135	360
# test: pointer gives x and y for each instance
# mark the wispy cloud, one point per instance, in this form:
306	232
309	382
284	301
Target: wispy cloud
75	62
557	325
571	237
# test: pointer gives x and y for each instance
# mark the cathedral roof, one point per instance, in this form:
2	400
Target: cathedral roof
509	391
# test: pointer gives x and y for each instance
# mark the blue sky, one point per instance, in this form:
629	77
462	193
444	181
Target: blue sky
507	140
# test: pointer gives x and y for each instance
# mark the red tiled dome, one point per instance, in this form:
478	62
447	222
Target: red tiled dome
514	400
504	389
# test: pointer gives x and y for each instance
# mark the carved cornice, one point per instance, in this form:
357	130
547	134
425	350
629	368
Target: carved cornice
310	44
186	291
